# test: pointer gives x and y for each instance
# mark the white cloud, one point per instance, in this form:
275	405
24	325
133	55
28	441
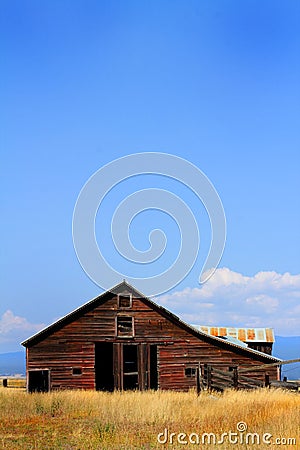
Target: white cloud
268	299
264	302
14	329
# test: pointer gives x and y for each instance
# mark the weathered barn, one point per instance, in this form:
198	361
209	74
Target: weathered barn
123	340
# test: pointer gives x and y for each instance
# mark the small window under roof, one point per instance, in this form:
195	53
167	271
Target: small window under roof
124	301
125	326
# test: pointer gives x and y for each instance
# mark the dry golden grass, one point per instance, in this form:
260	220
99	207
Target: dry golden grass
83	420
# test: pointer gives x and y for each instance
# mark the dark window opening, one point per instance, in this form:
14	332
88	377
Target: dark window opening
124	301
77	370
190	372
262	347
125	326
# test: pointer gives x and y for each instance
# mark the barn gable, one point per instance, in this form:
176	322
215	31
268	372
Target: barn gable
121	339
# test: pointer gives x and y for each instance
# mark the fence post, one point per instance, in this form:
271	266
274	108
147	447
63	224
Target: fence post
4	382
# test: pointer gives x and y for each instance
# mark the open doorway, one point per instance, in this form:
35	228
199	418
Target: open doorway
104	376
153	381
125	366
38	380
130	367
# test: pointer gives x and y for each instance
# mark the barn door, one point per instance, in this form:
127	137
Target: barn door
130	367
38	380
138	366
118	384
125	366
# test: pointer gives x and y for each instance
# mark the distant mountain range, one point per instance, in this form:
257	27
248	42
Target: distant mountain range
284	348
288	348
12	363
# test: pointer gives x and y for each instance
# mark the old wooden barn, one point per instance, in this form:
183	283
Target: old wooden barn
123	340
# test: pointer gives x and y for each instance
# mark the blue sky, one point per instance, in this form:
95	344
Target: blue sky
83	83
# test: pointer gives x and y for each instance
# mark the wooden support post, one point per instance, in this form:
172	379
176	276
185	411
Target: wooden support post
202	379
267	380
204	374
198	379
209	377
235	378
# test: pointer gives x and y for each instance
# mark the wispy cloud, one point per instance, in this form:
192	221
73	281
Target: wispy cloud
268	299
14	329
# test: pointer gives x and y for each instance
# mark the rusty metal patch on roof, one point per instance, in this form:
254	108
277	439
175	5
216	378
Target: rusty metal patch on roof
242	334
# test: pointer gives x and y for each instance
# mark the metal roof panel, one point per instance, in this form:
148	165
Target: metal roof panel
242	334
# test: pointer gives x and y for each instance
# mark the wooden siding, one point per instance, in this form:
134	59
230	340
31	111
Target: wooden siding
73	346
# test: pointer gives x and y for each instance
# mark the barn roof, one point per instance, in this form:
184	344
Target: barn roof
242	334
121	288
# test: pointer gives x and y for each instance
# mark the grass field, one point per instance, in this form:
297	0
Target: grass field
85	420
